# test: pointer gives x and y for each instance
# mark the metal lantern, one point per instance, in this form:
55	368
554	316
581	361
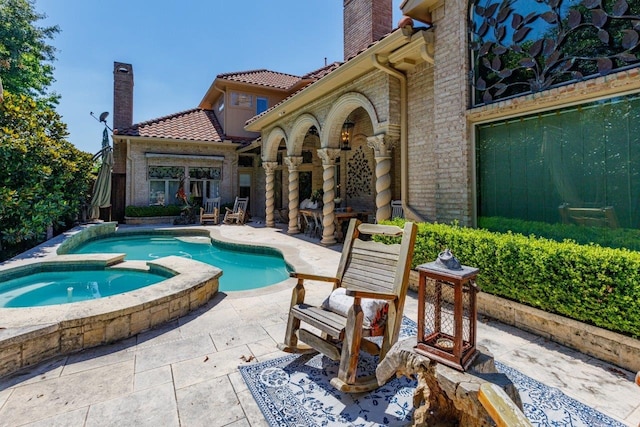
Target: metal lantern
447	311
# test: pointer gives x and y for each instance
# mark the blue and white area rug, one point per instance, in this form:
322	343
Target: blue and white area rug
295	391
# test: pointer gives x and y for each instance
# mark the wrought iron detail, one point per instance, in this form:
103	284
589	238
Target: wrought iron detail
359	175
524	46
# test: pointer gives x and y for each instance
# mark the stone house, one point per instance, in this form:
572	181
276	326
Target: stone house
468	110
205	149
473	110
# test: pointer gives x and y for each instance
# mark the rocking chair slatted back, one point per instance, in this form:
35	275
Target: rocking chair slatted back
369	265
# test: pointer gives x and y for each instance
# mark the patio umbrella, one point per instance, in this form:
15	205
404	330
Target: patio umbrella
195	191
101	197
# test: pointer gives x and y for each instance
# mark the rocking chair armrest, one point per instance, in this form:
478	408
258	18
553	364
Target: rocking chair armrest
368	294
228	210
305	276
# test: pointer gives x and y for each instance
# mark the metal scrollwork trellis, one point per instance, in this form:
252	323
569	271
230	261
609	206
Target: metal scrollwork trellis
523	46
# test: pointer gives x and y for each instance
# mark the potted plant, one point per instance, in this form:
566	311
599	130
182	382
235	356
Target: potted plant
316	197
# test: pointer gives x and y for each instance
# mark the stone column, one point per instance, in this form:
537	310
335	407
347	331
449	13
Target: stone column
292	163
382	152
269	168
328	156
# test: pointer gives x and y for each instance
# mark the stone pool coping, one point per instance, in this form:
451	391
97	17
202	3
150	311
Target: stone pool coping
33	334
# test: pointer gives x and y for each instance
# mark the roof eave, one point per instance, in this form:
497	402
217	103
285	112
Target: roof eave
350	70
209	96
132	138
420	10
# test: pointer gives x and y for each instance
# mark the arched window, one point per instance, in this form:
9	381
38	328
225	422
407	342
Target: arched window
523	46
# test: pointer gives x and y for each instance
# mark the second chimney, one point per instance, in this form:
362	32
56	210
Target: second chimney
122	95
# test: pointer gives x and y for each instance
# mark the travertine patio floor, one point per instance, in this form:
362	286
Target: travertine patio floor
185	373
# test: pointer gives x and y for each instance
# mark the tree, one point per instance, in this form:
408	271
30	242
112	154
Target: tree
44	179
25	56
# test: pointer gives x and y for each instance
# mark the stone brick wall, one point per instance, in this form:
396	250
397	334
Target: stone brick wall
450	140
421	136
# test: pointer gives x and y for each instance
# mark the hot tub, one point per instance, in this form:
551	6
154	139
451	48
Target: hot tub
30	335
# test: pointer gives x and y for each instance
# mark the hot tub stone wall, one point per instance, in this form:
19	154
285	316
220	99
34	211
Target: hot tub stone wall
89	233
105	320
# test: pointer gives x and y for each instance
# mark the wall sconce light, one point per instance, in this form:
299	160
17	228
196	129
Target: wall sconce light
345	135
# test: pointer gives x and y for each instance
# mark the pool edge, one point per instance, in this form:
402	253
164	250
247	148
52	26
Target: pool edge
77	326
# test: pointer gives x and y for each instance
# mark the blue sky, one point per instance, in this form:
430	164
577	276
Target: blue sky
177	48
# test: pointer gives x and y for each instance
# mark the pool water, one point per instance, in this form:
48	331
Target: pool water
61	287
241	270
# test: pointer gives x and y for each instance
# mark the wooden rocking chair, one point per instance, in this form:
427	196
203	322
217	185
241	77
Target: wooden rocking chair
367	300
238	213
210	212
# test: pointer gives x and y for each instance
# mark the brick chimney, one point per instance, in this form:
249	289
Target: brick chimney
365	21
122	95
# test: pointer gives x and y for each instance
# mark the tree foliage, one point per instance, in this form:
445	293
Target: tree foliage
25	55
43	178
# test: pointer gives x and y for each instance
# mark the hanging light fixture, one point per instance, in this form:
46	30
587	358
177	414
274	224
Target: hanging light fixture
345	135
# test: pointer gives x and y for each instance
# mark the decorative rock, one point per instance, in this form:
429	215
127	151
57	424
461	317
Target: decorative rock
445	396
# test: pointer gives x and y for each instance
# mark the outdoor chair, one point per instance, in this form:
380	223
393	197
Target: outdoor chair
589	216
367	300
319	227
210	212
309	223
396	209
238	213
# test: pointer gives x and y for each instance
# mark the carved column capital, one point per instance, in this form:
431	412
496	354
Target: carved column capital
381	144
269	167
328	155
292	162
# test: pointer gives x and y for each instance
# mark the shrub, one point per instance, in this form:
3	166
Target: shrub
589	283
145	211
611	237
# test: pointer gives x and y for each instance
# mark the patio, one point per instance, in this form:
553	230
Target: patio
185	373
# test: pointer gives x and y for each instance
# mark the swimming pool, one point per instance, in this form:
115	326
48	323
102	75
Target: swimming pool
62	287
243	267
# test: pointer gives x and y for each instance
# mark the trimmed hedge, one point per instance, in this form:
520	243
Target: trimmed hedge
589	283
146	211
611	237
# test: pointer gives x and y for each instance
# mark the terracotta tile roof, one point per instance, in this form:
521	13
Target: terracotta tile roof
194	125
318	75
263	78
321	72
312	76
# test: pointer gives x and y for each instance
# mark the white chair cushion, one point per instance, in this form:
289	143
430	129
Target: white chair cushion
374	310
